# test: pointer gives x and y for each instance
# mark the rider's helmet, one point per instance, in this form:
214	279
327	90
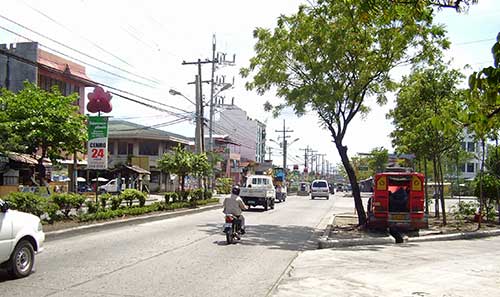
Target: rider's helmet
235	190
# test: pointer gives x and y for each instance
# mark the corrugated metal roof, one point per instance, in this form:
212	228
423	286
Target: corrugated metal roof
125	129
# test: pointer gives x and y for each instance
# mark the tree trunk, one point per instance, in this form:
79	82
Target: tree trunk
481	174
358	203
436	189
182	183
441	189
425	189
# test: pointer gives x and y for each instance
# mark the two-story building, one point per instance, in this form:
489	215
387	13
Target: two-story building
142	146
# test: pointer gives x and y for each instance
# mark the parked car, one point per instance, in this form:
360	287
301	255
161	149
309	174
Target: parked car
21	237
319	188
259	190
112	186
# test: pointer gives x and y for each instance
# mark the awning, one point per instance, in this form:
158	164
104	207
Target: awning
26	159
137	169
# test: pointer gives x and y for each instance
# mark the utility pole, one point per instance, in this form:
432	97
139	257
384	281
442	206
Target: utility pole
284	131
199	103
306	156
270	153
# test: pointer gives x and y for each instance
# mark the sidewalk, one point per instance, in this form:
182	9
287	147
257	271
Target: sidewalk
320	272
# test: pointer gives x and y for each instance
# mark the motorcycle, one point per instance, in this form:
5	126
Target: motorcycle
232	228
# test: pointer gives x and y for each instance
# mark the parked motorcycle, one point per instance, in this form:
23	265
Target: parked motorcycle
232	228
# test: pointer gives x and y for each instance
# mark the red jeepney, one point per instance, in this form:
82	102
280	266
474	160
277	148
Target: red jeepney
397	201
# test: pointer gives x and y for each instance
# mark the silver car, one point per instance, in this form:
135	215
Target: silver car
319	188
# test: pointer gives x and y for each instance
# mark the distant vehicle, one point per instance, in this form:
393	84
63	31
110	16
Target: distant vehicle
397	202
304	189
340	188
112	186
279	184
331	187
319	188
259	190
21	237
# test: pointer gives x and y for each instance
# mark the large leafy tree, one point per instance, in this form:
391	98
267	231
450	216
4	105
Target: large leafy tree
42	123
378	159
425	117
483	105
328	58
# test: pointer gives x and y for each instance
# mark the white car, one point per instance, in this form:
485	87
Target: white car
319	188
21	237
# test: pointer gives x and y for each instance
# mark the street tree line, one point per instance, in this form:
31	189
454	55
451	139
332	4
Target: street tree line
331	55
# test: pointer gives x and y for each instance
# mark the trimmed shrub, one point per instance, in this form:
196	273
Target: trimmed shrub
197	194
170	197
67	202
208	194
104	198
27	202
130	195
116	201
92	206
184	195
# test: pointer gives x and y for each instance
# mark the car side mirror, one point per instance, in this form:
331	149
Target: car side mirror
4	206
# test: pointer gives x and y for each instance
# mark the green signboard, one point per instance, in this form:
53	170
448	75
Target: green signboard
98	143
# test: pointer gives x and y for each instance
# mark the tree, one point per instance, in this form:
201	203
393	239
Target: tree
378	159
330	57
481	107
43	123
424	118
183	163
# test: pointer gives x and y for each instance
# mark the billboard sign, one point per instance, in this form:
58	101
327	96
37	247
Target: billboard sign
98	143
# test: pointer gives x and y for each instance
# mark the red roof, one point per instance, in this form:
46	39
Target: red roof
63	65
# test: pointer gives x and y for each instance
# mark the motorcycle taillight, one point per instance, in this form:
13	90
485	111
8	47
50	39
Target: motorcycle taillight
229	219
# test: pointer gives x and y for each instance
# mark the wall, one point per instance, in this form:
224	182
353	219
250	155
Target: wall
19	71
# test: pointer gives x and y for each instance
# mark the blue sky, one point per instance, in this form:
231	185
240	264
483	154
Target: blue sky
152	38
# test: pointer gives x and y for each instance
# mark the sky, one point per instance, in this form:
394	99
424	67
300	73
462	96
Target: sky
151	39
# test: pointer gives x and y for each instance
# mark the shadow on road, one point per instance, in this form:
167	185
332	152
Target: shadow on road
293	238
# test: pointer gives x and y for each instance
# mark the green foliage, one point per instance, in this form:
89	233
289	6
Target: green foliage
27	202
223	185
464	210
208	194
104	198
491	192
185	195
327	58
130	195
42	122
378	159
197	194
116	201
67	202
170	197
183	163
92	206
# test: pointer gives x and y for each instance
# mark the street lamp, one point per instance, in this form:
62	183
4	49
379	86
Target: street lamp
177	93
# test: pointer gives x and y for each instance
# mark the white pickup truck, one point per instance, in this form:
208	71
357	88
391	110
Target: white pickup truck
21	237
259	190
112	186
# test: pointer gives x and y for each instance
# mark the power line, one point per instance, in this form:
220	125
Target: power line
71	31
73	58
78	51
93	83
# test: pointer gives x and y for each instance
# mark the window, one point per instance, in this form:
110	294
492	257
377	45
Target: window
470	167
471	146
462	168
122	148
130	150
111	148
320	184
148	148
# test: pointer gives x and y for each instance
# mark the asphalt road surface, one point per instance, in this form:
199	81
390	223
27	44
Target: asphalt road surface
183	256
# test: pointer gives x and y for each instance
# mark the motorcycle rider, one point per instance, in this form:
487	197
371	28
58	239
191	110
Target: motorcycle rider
234	206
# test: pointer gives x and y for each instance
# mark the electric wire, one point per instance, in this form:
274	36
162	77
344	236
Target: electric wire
78	60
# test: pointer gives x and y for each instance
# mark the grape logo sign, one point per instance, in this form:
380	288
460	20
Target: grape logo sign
98	143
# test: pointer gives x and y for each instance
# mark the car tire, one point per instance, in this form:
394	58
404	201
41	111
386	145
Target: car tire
22	259
272	204
266	205
312	197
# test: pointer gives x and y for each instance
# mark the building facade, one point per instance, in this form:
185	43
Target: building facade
471	167
134	144
249	133
25	61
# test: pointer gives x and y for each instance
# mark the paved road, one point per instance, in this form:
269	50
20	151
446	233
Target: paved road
184	256
446	268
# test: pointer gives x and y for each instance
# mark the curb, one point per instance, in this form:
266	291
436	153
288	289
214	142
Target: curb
65	233
340	243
